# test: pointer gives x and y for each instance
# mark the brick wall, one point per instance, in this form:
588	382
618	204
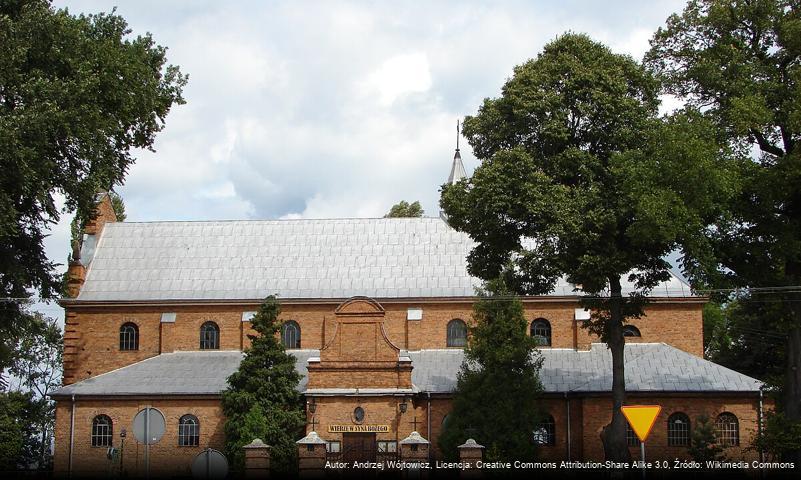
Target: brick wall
166	457
677	324
92	337
382	411
597	413
587	418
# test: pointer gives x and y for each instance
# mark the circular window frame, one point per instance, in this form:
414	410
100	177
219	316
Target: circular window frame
359	410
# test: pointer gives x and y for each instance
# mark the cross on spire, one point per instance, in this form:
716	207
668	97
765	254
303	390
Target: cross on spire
313	423
457	168
414	423
457	134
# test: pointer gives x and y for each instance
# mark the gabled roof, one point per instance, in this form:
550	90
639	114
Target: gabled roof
650	367
382	258
202	372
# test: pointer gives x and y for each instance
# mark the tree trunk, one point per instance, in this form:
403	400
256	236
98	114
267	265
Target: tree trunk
792	387
614	435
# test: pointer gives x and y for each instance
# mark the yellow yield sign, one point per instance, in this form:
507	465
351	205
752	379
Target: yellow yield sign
641	418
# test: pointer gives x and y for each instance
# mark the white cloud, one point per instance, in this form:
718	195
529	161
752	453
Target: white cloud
398	76
334	109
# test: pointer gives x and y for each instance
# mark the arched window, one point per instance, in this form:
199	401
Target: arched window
457	333
541	331
102	431
545	432
129	336
188	431
290	334
631	438
631	331
727	429
209	336
678	430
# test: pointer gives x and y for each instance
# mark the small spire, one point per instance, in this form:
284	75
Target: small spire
457	168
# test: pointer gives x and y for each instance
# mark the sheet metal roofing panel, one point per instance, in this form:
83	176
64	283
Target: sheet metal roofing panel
650	367
331	258
178	373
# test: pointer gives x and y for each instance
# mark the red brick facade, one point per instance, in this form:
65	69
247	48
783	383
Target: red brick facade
359	342
92	332
165	457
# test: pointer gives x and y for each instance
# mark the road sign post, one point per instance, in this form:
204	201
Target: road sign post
642	457
641	418
148	426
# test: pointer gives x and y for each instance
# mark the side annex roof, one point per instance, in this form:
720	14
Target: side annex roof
650	367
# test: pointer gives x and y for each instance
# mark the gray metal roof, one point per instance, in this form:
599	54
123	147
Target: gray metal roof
298	259
180	373
650	367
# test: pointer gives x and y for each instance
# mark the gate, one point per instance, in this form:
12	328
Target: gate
361	447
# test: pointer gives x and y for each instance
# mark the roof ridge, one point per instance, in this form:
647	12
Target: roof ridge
276	220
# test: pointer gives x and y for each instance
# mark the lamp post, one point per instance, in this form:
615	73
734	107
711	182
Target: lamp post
123	434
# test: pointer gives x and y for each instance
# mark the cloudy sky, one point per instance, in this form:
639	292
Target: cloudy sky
333	109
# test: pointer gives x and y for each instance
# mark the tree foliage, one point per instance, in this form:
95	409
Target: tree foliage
405	209
745	336
77	95
703	442
262	399
501	363
27	420
779	436
740	61
17	412
580	179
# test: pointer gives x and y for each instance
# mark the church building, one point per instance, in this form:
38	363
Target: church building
376	313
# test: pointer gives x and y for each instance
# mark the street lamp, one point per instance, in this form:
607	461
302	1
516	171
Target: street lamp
402	407
123	434
312	405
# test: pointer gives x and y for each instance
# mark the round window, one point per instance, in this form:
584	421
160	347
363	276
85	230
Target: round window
358	414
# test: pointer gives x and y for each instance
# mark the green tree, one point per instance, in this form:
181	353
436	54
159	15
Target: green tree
262	398
17	410
502	363
778	436
580	179
739	61
37	371
746	337
703	442
405	209
78	94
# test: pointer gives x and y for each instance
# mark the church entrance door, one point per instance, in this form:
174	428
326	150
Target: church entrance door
358	447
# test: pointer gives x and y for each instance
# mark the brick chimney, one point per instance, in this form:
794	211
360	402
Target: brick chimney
104	213
76	274
76	271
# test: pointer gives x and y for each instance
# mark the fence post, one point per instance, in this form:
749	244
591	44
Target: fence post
257	459
414	451
470	452
311	456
